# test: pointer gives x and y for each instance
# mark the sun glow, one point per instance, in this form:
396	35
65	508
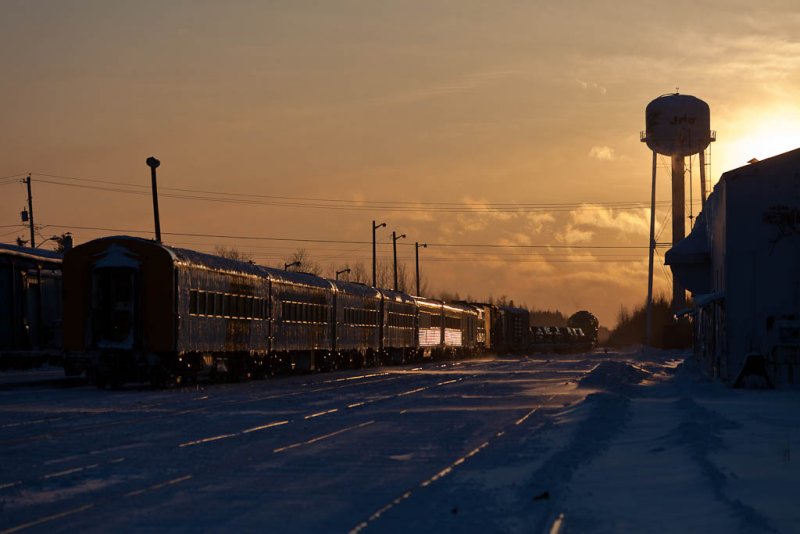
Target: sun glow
758	136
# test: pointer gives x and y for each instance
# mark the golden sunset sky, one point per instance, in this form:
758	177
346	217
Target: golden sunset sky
521	119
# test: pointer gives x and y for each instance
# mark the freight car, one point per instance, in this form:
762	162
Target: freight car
138	309
30	306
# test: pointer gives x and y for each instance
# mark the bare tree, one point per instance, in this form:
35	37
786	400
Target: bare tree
307	264
232	253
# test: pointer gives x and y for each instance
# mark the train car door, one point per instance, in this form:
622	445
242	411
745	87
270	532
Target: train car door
115	317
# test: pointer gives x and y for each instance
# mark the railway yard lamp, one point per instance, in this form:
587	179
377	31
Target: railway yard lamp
341	272
394	248
153	163
416	255
292	264
374	262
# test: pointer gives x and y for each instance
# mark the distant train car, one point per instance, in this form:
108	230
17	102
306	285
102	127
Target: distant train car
429	326
511	331
303	320
461	329
445	330
485	313
30	306
399	339
358	323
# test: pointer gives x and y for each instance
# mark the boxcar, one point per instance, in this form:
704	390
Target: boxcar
30	306
512	329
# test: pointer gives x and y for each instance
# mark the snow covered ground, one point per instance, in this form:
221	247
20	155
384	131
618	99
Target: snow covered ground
630	442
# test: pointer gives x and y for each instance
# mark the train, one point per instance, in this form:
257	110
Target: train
137	309
30	307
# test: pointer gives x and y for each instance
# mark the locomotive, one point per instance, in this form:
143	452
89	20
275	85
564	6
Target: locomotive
137	309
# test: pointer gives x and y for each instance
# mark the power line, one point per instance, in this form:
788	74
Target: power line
344	241
331	203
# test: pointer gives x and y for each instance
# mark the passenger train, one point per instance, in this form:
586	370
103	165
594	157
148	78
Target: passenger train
137	309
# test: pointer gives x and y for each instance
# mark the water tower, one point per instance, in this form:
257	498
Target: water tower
676	126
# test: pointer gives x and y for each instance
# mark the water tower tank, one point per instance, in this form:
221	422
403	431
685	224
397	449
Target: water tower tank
677	125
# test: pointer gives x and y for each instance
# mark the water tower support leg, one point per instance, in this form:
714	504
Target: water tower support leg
702	178
649	335
678	222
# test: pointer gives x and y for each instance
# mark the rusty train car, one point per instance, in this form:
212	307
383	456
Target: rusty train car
138	309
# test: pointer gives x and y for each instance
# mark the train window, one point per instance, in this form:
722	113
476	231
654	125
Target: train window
227	306
193	302
201	302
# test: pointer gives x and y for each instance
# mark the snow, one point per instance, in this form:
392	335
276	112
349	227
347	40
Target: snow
636	441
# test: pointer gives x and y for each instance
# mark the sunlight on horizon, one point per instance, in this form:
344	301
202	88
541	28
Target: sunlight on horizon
759	134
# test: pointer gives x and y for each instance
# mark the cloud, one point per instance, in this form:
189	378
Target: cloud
592	86
603	153
464	84
631	222
573	236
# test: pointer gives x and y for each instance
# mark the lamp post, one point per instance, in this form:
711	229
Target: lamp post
292	264
374	262
416	246
153	163
394	248
341	272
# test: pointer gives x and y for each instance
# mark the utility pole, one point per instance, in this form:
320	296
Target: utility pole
30	210
394	247
416	246
153	163
374	261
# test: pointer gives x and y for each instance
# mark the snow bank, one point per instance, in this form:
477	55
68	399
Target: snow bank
613	376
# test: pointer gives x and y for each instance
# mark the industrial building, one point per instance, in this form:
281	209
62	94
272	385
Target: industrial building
741	263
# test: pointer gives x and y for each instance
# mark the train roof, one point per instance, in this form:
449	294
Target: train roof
513	309
354	288
34	254
297	278
396	296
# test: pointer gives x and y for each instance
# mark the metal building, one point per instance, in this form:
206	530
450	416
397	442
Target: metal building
742	264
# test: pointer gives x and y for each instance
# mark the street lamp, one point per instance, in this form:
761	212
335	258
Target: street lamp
293	264
341	272
416	247
153	163
374	263
394	248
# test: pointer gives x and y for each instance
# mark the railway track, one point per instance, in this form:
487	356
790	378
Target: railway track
358	416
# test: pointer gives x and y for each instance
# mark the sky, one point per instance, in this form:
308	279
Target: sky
458	123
